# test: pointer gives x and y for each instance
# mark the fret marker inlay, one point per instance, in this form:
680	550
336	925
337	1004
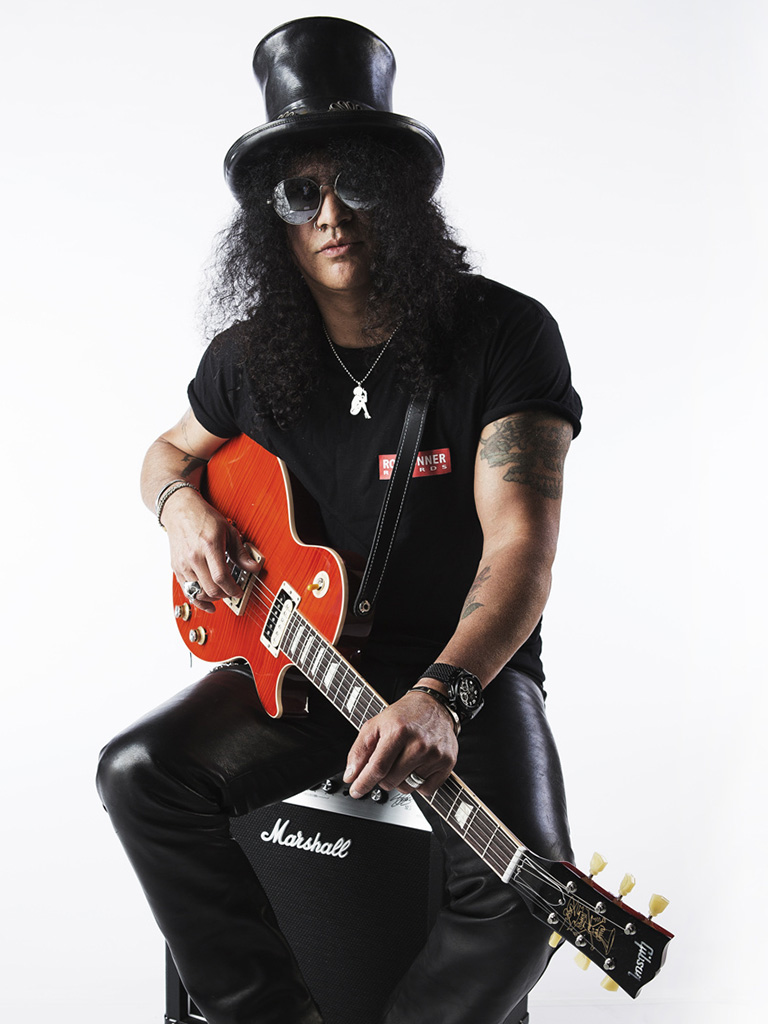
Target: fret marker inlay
462	814
316	662
297	639
306	650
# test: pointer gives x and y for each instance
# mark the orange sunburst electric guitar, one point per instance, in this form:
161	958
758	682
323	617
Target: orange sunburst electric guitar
291	613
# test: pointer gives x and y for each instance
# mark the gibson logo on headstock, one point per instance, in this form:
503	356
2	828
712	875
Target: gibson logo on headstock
582	921
644	956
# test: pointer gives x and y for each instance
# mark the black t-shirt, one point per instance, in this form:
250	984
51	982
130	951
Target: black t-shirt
517	361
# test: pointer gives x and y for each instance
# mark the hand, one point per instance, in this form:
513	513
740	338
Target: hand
200	539
415	734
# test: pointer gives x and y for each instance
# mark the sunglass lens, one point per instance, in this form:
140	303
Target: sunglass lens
354	192
296	200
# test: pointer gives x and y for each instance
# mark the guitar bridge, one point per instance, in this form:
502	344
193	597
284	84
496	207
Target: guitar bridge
244	579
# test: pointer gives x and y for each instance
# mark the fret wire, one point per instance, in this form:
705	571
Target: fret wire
372	698
495	846
481	833
348	676
480	846
498	844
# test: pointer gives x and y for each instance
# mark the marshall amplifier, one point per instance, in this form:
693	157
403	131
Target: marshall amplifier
355	885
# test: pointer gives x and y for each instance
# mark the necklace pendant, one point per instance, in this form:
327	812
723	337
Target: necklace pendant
360	402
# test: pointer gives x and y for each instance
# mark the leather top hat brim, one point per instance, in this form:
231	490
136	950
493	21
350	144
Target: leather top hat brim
400	132
324	79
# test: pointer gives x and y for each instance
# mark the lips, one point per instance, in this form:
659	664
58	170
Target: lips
337	247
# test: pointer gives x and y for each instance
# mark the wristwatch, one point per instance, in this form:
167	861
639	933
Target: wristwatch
465	694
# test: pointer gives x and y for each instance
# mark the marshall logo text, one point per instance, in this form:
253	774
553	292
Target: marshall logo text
312	844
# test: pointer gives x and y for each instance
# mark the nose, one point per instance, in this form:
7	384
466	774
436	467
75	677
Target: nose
332	211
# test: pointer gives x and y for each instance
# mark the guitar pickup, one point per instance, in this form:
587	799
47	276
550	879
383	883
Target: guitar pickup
244	579
278	617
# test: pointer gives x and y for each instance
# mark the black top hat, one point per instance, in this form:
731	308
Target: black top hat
323	78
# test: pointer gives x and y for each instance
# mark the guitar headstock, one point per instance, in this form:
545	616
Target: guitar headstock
629	947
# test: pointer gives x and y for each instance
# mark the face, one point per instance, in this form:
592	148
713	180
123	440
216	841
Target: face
333	250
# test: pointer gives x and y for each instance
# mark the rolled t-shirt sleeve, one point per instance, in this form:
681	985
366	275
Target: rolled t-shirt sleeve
215	391
528	369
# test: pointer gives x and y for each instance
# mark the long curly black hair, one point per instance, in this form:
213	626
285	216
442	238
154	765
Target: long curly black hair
419	272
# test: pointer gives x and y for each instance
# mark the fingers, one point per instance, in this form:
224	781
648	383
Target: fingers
204	549
408	737
359	757
196	595
238	552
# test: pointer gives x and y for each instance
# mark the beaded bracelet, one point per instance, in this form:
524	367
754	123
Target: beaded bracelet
166	492
161	492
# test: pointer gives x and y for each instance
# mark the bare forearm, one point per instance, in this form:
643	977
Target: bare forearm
502	608
203	544
518	489
165	462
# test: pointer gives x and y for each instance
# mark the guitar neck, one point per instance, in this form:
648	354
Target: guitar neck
358	702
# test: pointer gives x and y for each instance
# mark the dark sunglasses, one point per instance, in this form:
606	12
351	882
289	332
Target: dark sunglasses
298	200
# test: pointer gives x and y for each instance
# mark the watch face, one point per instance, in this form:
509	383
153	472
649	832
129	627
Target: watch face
468	692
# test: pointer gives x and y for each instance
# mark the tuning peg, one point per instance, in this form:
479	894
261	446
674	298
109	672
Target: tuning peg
609	984
657	904
555	940
582	960
626	886
596	865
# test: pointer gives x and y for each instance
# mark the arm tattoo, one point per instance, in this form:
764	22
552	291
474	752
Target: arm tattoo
184	421
192	464
534	449
471	605
192	461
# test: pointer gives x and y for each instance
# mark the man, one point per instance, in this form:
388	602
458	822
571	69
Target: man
346	293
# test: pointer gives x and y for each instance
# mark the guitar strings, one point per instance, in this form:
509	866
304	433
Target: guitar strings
488	838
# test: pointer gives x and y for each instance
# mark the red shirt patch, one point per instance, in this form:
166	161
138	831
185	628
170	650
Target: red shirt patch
434	463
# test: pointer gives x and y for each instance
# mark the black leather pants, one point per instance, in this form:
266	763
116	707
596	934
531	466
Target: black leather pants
171	781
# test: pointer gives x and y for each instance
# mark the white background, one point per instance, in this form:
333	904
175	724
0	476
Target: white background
631	140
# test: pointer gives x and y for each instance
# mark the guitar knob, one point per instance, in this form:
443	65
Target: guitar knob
379	795
609	984
198	636
329	785
626	886
582	960
596	865
657	904
182	611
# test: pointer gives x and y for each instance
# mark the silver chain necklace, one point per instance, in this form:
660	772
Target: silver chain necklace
359	395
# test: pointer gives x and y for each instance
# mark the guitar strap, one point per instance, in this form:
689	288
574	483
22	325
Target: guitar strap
394	500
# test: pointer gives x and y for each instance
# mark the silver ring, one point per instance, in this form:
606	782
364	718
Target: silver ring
192	589
414	780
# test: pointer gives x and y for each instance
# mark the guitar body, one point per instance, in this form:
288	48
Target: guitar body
251	487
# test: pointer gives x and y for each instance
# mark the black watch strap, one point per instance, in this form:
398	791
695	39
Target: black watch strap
442	672
465	693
